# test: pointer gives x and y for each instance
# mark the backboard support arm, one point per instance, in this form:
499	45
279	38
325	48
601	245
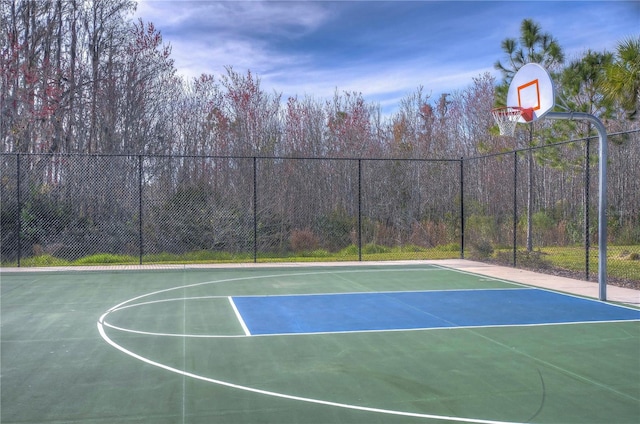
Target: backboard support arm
602	188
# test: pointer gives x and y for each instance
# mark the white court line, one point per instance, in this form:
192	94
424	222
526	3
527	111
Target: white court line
248	333
320	333
101	324
106	338
242	323
256	277
186	336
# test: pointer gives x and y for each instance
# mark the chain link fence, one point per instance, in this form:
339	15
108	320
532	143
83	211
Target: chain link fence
538	209
77	209
530	208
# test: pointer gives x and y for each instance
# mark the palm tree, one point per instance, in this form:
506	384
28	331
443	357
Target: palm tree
622	81
581	86
533	46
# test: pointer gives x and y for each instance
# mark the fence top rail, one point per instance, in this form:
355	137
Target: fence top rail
544	146
280	158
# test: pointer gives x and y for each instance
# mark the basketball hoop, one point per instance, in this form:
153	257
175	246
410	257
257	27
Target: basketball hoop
507	117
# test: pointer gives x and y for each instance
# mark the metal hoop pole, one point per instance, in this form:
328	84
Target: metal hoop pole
602	187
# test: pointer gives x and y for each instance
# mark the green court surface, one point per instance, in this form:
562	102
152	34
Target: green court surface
171	346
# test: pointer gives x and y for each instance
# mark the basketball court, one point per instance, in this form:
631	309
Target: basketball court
414	341
364	342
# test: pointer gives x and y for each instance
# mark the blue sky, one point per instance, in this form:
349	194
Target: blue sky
383	49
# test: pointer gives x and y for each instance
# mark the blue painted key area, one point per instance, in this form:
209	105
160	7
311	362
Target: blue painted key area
326	313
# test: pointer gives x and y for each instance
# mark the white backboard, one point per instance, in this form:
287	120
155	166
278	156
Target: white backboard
532	87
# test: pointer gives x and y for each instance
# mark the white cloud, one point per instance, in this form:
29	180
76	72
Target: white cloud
207	36
385	50
235	18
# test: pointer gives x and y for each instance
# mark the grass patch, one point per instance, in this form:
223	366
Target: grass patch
199	256
620	260
106	259
41	260
623	261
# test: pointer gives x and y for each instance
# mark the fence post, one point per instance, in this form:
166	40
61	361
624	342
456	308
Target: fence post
19	200
255	210
587	178
140	226
360	209
461	207
515	208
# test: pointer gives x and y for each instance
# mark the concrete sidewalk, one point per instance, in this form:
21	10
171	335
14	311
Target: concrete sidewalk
563	284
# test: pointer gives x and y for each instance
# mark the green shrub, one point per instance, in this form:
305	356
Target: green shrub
482	227
481	249
106	258
336	229
374	248
450	247
350	250
542	221
43	260
317	253
412	248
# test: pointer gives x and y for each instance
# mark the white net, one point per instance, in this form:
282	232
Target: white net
507	117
